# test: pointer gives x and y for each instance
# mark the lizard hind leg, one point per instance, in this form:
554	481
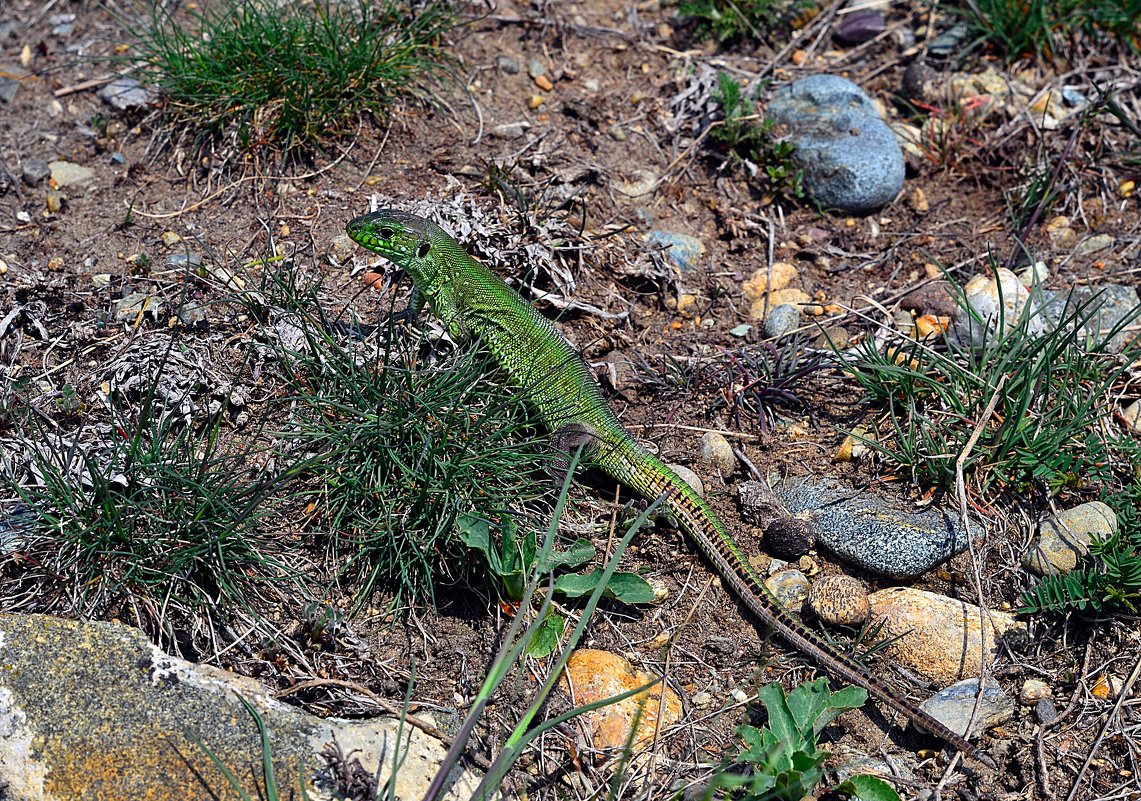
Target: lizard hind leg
566	440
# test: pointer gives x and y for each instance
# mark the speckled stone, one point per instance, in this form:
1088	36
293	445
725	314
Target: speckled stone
954	705
839	600
92	710
873	532
851	160
790	587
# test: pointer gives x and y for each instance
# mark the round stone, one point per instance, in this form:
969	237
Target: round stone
839	601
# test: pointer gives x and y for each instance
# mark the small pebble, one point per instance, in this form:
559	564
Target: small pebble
702	699
170	238
1132	415
35	172
717	452
544	83
918	201
1033	691
1063	540
839	600
535	68
781	321
534	101
617	133
54	201
789	587
1045	711
508	65
788	538
739	695
1094	244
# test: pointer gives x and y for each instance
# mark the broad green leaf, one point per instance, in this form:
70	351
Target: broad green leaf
781	721
626	587
475	533
581	552
868	788
546	638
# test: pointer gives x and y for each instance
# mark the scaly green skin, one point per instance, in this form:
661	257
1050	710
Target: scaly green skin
471	301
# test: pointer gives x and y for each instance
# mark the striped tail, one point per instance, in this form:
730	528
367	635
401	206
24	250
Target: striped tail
650	477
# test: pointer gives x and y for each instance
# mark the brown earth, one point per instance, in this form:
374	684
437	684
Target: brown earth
612	63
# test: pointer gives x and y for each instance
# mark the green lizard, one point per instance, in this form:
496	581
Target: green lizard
473	302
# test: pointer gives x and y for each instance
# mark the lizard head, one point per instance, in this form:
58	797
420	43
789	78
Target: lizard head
403	238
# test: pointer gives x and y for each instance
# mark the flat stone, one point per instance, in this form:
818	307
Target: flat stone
851	160
93	711
938	637
125	93
66	173
592	675
876	533
681	250
1103	308
954	706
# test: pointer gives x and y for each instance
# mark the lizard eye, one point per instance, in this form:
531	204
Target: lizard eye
422	251
386	233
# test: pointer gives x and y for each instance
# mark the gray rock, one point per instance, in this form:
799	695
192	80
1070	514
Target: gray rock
10	84
125	93
681	250
781	320
1045	711
874	533
35	172
1102	309
850	157
950	41
953	707
717	452
93	710
1065	539
508	64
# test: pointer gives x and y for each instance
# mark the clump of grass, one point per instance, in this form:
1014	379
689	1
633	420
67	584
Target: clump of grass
149	508
732	19
1048	27
283	78
747	142
1045	433
400	442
